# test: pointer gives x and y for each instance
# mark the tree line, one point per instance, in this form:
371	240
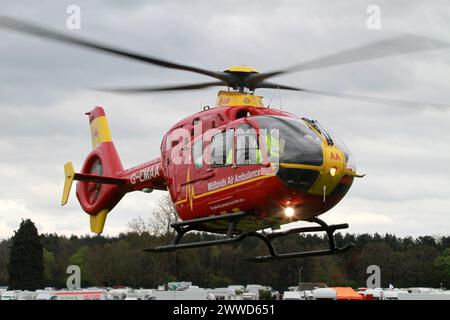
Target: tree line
110	261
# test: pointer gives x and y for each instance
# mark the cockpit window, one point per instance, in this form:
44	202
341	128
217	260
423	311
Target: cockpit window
298	143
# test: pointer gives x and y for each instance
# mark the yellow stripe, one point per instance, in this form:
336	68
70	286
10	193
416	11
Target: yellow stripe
227	187
181	201
100	131
301	166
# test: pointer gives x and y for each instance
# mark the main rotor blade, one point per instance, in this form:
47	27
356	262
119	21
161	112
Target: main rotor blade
44	32
393	102
164	88
402	44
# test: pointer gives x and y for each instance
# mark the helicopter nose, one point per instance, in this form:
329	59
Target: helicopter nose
316	179
332	171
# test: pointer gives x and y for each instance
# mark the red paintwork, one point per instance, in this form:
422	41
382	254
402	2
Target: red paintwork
110	195
266	197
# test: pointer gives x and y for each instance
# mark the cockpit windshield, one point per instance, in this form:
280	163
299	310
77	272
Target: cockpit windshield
298	143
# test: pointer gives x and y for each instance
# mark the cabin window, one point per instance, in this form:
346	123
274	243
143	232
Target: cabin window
197	153
168	142
222	148
195	123
247	151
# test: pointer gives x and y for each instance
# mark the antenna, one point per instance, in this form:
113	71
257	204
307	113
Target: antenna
279	97
270	102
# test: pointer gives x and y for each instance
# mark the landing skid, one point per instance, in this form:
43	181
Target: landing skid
184	227
329	229
189	225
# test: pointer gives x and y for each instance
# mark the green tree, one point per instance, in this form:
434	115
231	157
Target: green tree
4	261
442	263
79	259
49	266
26	265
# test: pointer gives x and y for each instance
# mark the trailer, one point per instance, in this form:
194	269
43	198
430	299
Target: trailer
80	295
201	294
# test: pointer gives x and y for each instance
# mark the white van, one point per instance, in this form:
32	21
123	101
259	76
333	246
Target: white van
324	294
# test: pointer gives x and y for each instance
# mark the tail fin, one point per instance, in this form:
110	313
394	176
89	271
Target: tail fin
98	123
97	187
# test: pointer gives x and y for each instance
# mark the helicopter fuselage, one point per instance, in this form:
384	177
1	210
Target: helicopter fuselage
218	161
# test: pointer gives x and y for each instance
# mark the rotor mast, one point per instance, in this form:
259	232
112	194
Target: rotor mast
239	95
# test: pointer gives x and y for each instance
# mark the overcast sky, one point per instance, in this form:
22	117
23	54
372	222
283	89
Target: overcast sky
44	95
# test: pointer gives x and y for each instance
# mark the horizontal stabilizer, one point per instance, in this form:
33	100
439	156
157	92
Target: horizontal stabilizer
99	179
70	175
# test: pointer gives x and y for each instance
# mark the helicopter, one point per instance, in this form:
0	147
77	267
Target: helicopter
237	169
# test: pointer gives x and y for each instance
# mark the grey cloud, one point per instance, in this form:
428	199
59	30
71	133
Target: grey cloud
43	97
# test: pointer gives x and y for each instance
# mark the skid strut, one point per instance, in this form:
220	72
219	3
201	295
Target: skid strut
184	227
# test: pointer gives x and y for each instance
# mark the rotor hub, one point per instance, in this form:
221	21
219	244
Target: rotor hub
241	69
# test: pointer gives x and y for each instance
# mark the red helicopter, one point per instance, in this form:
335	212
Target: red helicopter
237	169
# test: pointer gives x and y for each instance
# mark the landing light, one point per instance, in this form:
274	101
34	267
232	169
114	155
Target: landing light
289	212
333	171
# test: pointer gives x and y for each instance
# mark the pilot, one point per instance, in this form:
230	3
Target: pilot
273	149
256	157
